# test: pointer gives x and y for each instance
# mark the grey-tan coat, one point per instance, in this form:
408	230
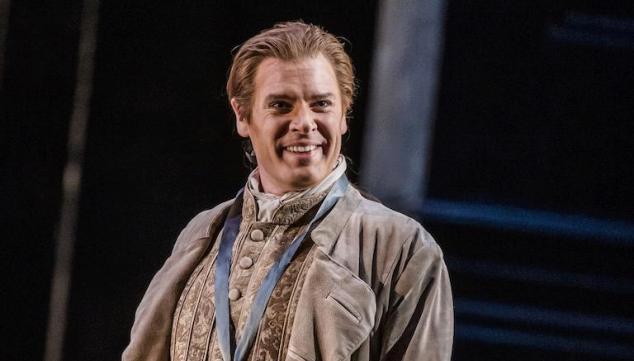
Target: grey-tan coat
378	289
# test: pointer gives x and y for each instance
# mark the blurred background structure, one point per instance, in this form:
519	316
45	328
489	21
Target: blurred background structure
504	127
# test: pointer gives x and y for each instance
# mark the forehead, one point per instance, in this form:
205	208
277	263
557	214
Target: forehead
303	76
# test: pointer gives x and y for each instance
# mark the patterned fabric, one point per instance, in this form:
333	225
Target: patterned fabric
276	324
194	315
193	329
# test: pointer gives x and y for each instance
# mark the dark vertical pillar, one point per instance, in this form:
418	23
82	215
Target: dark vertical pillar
35	105
67	226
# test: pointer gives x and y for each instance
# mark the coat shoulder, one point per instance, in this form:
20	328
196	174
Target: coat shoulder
373	240
202	225
398	227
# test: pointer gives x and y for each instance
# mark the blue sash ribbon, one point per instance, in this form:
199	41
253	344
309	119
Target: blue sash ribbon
231	228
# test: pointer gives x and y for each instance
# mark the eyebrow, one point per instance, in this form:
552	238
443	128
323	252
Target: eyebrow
322	96
272	97
283	96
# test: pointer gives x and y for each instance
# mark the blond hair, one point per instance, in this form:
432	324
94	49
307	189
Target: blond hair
288	41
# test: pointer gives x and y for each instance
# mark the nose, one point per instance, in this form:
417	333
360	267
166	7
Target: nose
303	120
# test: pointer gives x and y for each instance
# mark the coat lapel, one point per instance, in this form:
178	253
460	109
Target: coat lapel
336	309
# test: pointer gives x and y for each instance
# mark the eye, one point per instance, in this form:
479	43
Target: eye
322	104
280	106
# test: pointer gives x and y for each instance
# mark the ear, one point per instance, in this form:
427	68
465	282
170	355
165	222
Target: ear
343	128
242	124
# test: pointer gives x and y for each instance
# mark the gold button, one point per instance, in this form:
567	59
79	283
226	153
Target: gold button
234	294
257	235
246	262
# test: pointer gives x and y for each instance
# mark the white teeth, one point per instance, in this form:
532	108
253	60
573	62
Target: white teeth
301	148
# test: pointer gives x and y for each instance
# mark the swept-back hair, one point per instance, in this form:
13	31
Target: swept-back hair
288	41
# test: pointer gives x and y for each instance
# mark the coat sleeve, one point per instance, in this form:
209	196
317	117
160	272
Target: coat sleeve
151	331
419	323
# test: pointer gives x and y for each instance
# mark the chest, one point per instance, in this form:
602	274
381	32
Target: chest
318	310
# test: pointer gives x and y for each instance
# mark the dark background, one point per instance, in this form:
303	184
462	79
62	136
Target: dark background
535	112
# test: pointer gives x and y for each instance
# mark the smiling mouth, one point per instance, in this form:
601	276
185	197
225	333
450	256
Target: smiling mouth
301	148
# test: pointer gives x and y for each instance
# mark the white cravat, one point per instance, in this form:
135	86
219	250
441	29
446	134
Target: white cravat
268	203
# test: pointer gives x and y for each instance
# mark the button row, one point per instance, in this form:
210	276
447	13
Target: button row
246	262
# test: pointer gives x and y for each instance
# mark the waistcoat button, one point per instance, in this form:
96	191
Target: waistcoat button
245	262
234	294
257	235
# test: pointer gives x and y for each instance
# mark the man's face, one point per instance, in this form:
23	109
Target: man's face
296	124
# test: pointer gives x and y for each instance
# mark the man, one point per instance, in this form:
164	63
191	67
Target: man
299	266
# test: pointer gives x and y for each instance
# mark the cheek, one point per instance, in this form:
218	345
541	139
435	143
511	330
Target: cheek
269	143
334	133
279	131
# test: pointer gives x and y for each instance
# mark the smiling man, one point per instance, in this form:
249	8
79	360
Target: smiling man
299	266
295	122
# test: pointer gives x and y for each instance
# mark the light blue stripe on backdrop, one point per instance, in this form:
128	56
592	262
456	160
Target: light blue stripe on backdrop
538	221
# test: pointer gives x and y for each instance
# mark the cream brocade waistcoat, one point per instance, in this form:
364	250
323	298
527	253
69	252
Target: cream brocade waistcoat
257	247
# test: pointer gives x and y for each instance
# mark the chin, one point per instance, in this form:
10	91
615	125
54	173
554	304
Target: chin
306	179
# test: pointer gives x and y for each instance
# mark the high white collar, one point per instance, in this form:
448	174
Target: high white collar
268	203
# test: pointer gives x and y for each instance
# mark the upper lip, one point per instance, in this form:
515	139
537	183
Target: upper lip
301	144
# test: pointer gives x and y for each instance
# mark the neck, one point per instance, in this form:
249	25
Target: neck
272	188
